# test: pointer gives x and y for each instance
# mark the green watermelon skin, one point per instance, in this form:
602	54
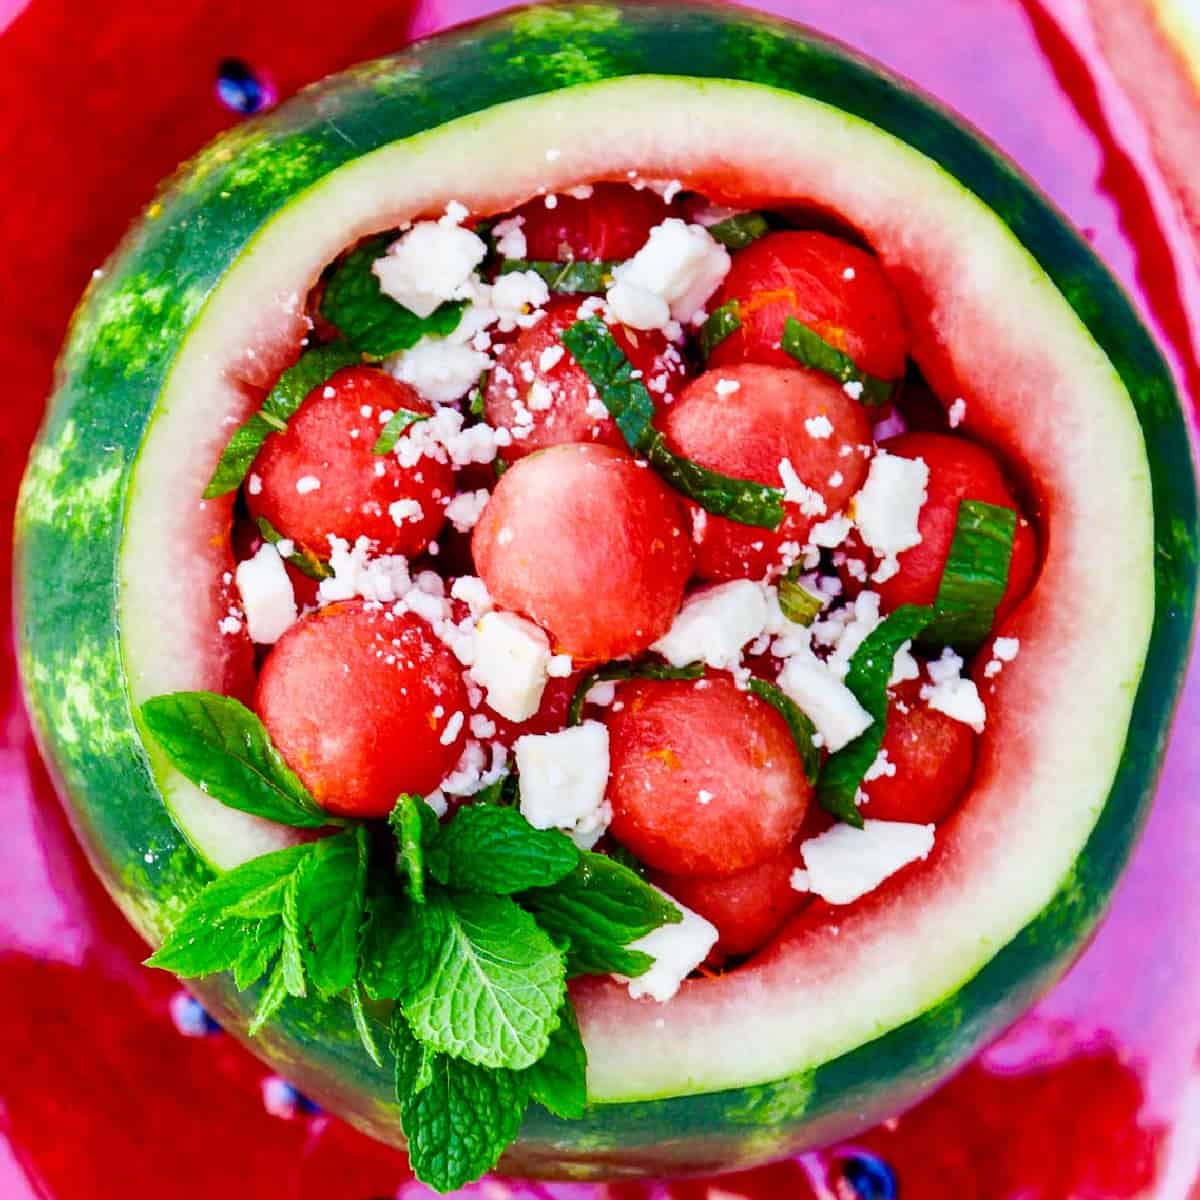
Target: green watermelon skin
121	347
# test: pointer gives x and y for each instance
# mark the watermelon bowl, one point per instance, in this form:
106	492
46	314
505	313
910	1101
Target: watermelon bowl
844	1024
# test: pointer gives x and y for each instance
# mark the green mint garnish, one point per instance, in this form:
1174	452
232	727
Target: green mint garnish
305	561
623	670
572	276
799	725
737	232
392	431
809	349
721	322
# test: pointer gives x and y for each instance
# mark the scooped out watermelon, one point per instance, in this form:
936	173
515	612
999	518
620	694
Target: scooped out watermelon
120	566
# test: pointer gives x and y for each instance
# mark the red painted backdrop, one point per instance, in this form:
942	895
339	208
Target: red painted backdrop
109	1084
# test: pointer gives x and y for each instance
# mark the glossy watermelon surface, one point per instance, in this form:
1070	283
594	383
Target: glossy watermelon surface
79	506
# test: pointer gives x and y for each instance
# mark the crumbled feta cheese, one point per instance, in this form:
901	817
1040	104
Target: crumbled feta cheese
432	263
510	238
473	592
405	510
230	624
267	596
677	951
254	484
704	797
848	273
844	863
830	705
796	491
437	801
464	510
551	201
888	506
306	484
953	695
559	666
440	369
443	437
516	296
957	412
853	388
846	629
831	533
819	427
799	880
456	213
355	573
453	728
881	768
904	666
551	357
473	771
512	657
1004	650
714	624
728	387
670	277
602	693
563	780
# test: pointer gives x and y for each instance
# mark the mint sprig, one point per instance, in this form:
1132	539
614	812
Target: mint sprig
629	402
367	317
868	675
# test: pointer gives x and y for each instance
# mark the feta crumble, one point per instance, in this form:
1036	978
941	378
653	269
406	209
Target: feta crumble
819	426
464	511
957	412
441	370
953	695
677	951
564	776
728	387
268	601
844	863
1004	650
306	484
512	659
510	238
714	624
796	491
888	506
831	706
383	579
432	263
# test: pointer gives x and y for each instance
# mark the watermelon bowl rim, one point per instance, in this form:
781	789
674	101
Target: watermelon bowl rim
79	483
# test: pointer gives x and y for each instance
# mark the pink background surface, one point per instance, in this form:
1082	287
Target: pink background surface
1097	1094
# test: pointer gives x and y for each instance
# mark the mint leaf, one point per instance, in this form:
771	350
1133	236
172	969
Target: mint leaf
305	561
558	1080
494	993
401	945
626	398
223	748
870	670
796	602
261	943
719	324
495	850
738	231
801	728
368	318
270	1000
385	443
974	577
809	349
362	1025
330	909
413	824
625	670
458	1118
212	935
291	955
599	909
571	276
310	370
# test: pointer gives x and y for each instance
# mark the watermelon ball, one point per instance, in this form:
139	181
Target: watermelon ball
589	544
745	420
542	395
321	477
704	778
930	757
958	470
748	907
610	224
838	290
364	705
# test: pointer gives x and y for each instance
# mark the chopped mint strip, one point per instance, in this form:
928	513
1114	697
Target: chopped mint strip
599	909
401	944
457	1118
870	670
797	603
401	420
572	276
494	993
476	405
737	232
720	324
624	670
809	349
305	561
368	318
558	1080
310	370
330	906
216	928
495	850
627	399
413	824
223	748
974	577
802	729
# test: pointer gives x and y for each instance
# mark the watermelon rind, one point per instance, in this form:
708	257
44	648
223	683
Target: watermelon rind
201	299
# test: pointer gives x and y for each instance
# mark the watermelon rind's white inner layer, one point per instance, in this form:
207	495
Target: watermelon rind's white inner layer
1036	386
